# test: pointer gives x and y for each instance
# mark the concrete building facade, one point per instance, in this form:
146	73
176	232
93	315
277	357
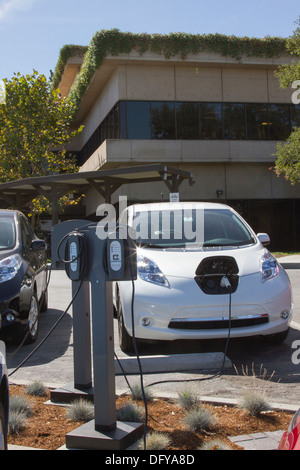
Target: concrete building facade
213	115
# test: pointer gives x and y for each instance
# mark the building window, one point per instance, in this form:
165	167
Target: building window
163	120
138	120
234	121
295	115
211	124
257	121
279	121
187	121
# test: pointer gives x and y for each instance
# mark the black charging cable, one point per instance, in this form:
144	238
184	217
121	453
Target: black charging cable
139	364
49	332
12	355
220	372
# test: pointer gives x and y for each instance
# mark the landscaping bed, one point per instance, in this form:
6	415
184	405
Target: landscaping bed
48	425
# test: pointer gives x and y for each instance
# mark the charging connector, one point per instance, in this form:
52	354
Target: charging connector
75	255
225	284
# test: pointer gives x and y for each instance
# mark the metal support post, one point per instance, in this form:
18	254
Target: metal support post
103	338
82	336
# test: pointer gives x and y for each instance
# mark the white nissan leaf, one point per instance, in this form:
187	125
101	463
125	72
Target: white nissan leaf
201	270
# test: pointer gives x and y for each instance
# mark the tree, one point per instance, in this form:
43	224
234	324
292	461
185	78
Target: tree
288	153
35	126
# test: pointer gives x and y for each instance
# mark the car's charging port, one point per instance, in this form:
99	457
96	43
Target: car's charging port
217	275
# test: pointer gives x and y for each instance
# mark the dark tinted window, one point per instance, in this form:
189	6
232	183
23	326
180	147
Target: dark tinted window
163	120
211	121
295	115
279	121
187	120
26	233
138	120
7	233
234	121
257	121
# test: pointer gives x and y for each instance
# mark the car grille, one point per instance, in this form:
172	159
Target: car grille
218	323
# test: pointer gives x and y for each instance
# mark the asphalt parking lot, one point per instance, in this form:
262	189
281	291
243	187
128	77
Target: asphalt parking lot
272	365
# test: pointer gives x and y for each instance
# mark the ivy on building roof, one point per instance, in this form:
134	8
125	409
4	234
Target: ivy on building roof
114	42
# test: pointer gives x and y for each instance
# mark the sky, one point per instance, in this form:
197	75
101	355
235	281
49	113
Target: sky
32	32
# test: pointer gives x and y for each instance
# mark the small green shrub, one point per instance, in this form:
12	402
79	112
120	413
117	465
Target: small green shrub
130	412
20	404
155	441
215	444
36	389
81	410
199	419
188	399
137	394
255	403
17	422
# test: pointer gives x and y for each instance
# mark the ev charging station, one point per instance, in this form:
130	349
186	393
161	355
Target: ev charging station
93	264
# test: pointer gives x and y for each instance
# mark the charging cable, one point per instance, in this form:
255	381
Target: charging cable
224	283
49	332
12	355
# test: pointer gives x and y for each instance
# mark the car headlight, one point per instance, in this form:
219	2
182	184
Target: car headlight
150	272
9	267
269	266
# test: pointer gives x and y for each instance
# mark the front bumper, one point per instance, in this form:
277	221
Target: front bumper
183	311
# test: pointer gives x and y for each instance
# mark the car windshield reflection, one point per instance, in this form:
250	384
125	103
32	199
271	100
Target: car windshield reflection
190	229
7	233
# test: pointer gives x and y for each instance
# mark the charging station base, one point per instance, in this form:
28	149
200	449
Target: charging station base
70	392
86	437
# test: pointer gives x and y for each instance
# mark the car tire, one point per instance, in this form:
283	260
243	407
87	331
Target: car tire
3	433
33	324
125	340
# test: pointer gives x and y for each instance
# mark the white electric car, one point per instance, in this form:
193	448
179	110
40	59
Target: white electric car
200	271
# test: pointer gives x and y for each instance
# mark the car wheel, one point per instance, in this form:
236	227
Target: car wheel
32	327
125	340
3	436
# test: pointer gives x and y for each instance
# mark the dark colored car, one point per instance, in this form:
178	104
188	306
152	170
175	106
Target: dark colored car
4	398
23	277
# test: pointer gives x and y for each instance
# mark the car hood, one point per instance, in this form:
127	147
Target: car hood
183	263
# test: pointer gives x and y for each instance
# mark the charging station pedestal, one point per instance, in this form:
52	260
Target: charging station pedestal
104	432
81	387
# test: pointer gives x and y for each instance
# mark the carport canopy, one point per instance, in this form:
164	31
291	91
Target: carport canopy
17	194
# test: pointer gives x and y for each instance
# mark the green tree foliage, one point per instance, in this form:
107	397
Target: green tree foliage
35	126
288	153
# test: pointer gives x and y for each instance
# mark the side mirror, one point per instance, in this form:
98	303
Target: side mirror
264	239
38	245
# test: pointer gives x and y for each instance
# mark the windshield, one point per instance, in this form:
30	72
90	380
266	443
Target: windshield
7	233
190	228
